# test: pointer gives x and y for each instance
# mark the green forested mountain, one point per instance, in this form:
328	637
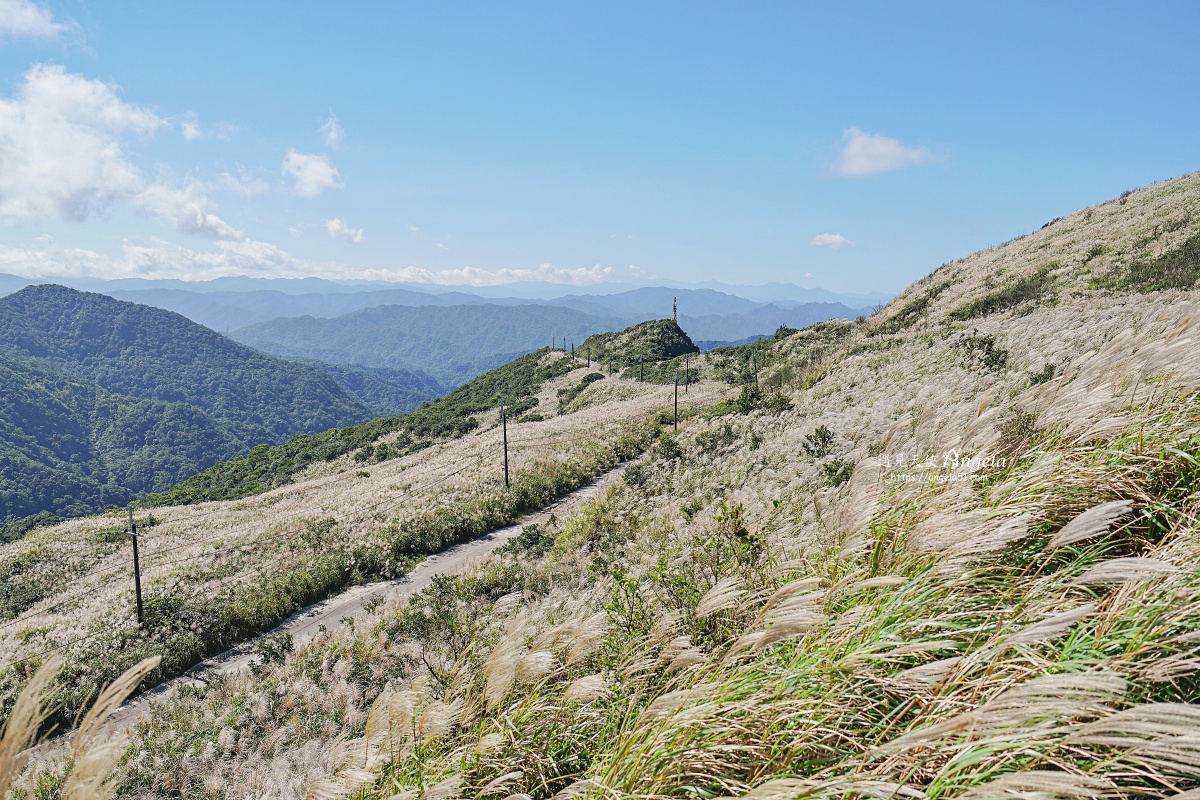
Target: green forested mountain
102	400
149	353
452	344
68	446
387	391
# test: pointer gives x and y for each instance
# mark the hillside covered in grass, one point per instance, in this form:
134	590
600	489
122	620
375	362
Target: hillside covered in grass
516	384
963	563
650	350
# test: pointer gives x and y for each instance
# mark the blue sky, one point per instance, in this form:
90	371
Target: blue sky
854	146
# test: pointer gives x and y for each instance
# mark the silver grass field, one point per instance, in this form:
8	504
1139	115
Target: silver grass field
964	563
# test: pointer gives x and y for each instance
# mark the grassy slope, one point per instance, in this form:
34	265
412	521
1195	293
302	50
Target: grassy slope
217	572
266	467
739	618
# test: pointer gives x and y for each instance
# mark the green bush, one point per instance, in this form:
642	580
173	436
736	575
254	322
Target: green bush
818	443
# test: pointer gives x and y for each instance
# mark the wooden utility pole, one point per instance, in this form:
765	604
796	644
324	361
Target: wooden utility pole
504	427
687	360
137	569
641	369
755	354
589	355
677	398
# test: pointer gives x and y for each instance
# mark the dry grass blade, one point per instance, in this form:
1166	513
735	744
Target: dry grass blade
502	784
1094	521
1051	627
724	594
444	789
925	675
776	789
879	582
587	638
1164	736
1125	570
1025	709
575	789
1036	784
324	788
786	625
586	689
24	721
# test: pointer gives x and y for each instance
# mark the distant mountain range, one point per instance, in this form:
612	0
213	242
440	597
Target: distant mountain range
110	395
421	342
101	400
451	343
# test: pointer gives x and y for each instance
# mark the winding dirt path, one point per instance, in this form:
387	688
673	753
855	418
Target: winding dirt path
305	624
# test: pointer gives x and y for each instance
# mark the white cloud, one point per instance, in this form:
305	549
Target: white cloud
24	19
245	183
155	259
190	127
441	246
332	132
186	210
159	259
870	154
61	140
808	276
834	241
340	230
192	130
311	173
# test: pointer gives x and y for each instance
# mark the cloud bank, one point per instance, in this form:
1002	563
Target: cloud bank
157	259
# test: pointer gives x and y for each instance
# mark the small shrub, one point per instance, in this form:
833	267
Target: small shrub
635	475
1017	431
1044	374
777	402
272	649
1174	269
818	443
532	542
716	439
668	449
980	351
838	471
749	399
